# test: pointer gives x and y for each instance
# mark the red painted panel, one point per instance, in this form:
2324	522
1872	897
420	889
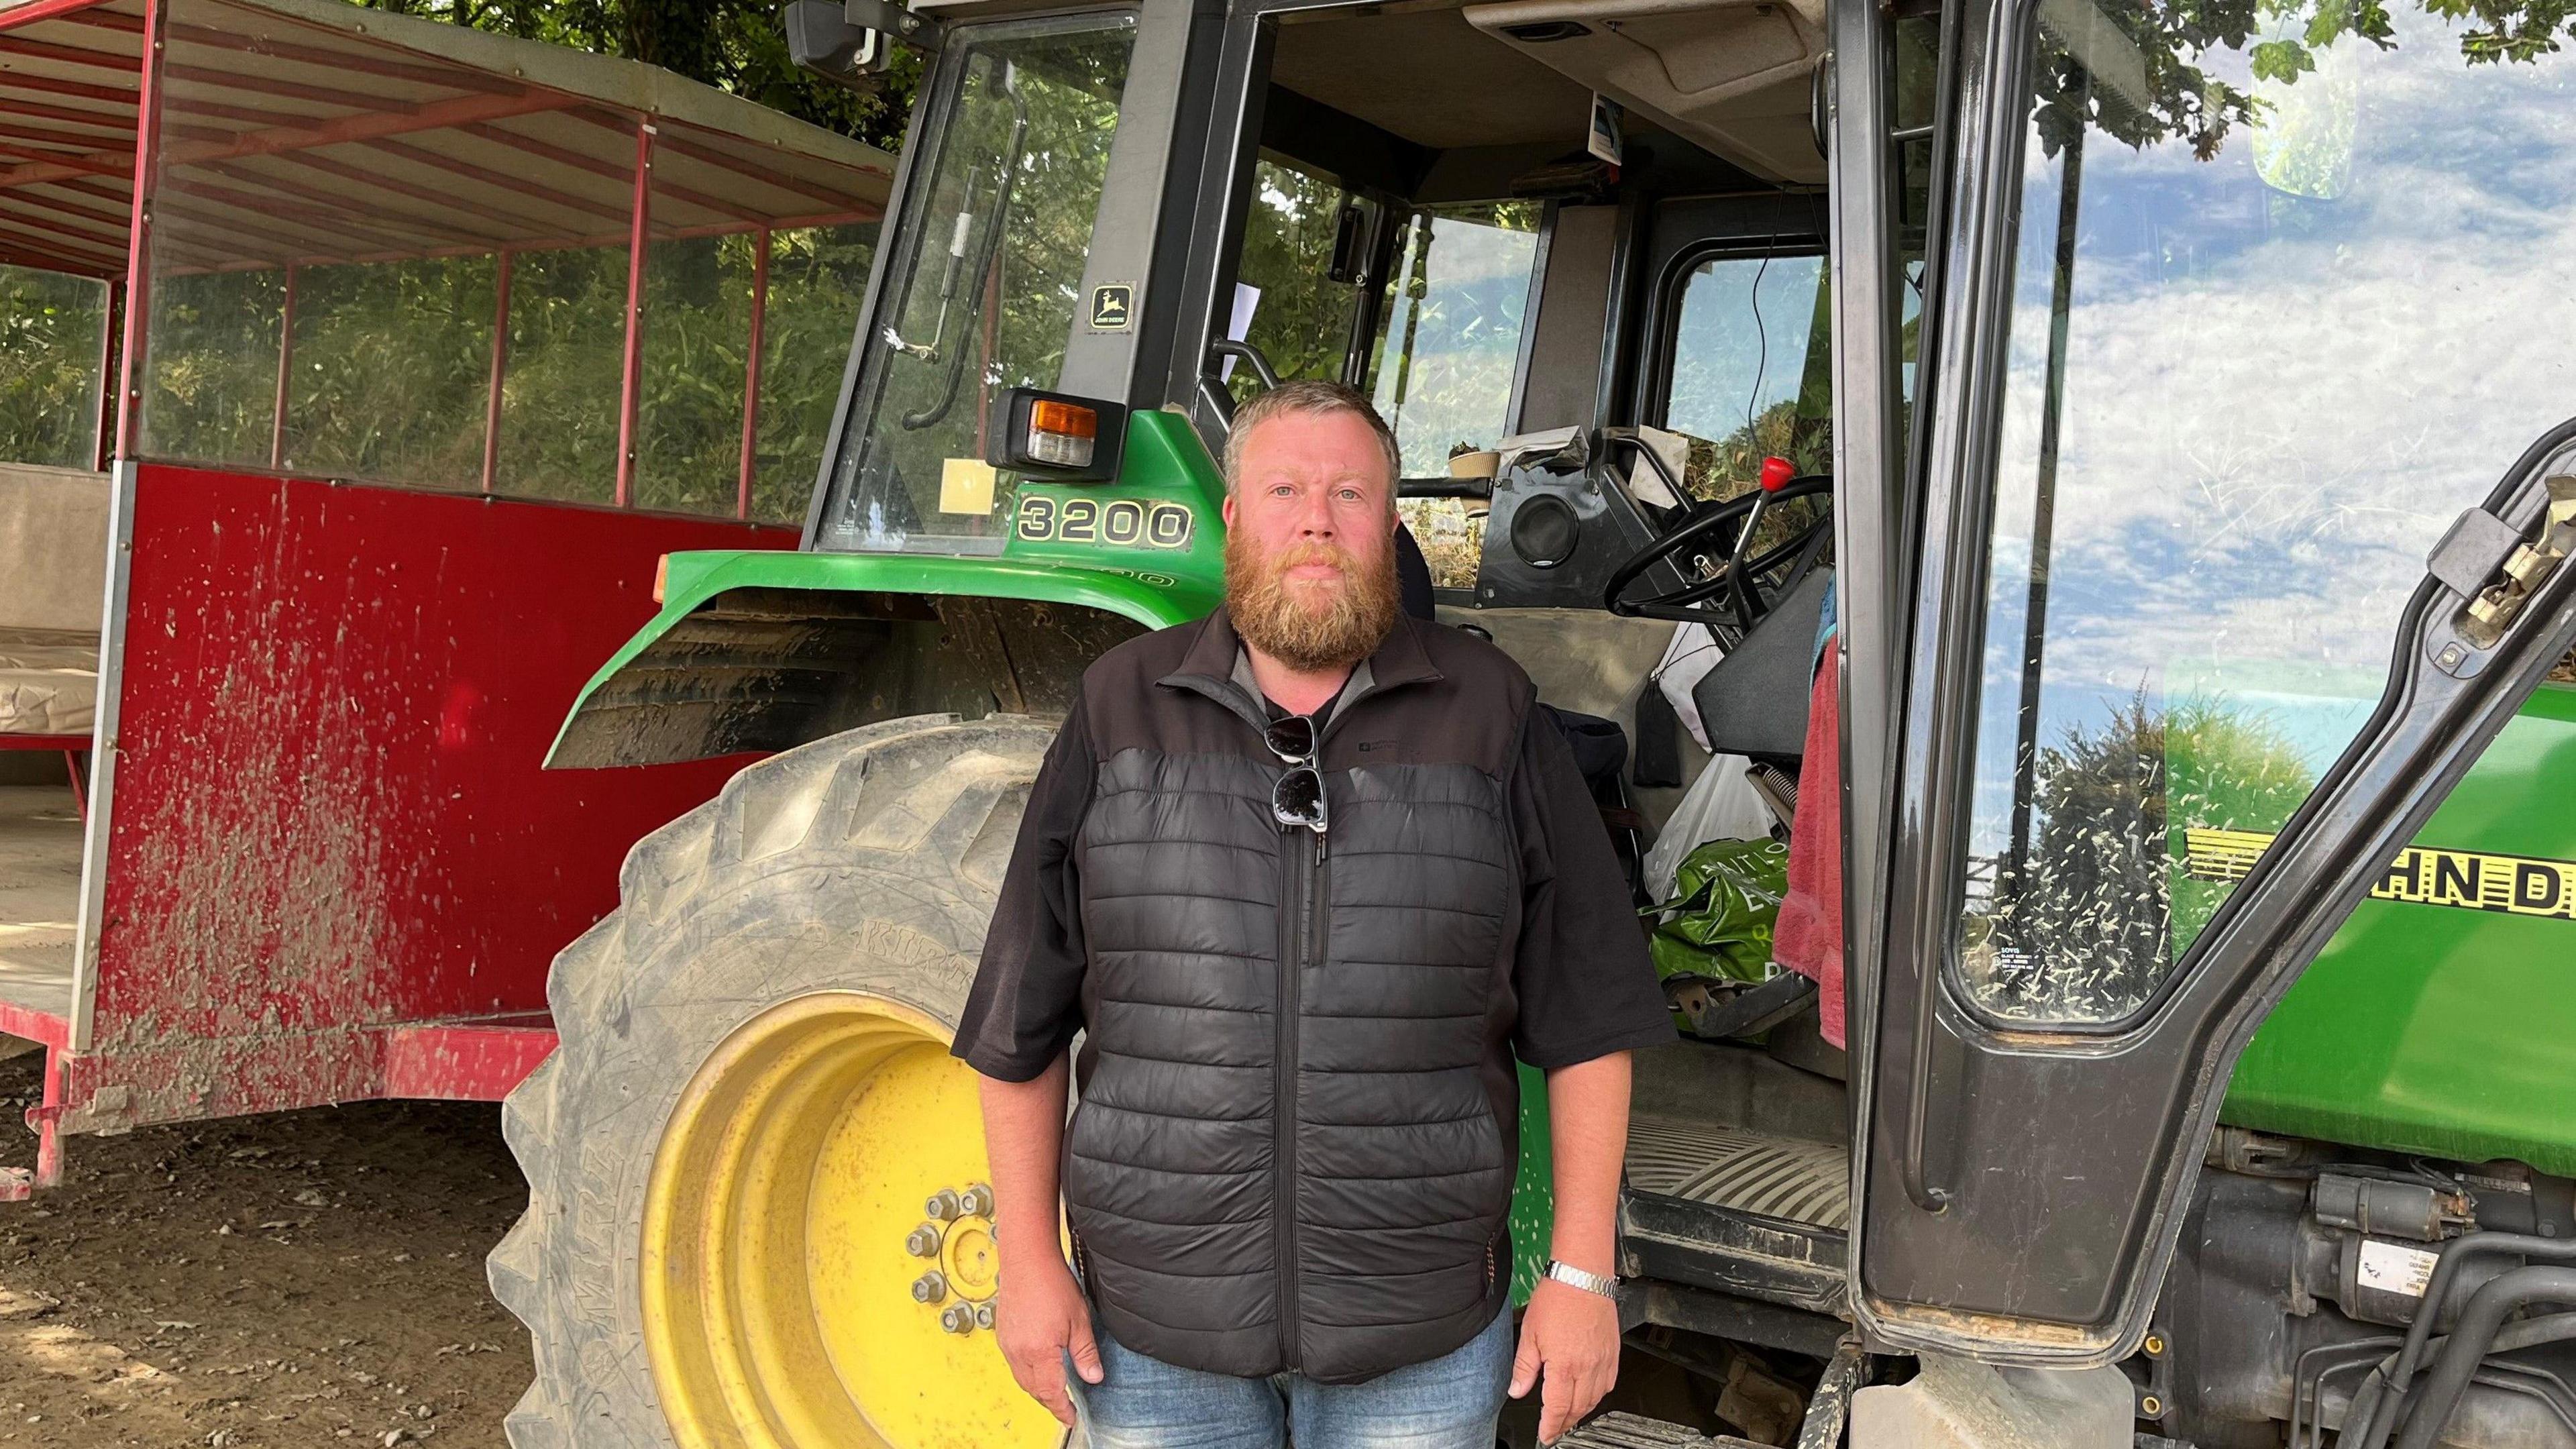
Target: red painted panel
467	1062
329	816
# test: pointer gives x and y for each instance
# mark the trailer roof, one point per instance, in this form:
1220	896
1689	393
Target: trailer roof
304	131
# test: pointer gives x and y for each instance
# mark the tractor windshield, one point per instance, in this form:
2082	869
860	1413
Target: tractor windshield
981	286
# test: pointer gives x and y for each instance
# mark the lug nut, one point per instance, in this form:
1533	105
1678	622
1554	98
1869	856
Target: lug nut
929	1288
942	1206
957	1318
976	1201
923	1242
983	1315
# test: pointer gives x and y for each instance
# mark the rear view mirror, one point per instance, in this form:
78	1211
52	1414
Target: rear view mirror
1057	436
851	42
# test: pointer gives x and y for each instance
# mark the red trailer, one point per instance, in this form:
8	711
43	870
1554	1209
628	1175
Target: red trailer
402	352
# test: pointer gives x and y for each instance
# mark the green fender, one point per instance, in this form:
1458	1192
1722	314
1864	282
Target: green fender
763	650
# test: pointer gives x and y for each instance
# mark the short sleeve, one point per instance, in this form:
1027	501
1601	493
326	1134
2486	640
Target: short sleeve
1026	1004
1585	983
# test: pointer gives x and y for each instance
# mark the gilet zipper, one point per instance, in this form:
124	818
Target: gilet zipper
1301	931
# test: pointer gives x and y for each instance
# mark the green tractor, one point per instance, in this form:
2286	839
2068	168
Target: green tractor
2175	395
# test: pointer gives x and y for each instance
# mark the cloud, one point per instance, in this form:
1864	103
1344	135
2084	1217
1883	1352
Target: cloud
2274	406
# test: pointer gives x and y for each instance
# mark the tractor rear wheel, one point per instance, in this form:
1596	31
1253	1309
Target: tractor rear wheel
757	1212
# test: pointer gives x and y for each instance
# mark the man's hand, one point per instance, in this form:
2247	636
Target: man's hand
1570	1347
1039	1316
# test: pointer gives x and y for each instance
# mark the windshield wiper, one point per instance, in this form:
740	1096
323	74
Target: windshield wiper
1011	157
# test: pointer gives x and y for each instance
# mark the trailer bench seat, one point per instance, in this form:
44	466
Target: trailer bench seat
48	682
40	859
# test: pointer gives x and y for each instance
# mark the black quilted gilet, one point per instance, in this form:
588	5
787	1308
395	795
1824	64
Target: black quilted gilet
1295	1141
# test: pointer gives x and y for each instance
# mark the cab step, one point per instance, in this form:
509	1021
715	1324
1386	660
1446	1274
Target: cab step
1635	1431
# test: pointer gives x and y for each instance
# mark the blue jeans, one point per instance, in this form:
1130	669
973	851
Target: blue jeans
1451	1402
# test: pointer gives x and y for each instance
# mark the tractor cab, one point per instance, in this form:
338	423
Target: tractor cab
2051	494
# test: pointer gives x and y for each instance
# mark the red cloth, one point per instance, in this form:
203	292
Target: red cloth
1809	937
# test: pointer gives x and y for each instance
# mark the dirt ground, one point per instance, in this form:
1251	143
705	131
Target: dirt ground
299	1279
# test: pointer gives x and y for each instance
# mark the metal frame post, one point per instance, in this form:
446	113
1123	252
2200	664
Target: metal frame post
111	334
631	384
751	370
285	361
138	256
501	269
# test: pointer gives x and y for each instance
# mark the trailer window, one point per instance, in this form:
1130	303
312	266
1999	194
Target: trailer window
986	281
53	339
2280	310
394	283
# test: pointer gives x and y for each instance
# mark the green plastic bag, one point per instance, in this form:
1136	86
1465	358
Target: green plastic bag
1718	923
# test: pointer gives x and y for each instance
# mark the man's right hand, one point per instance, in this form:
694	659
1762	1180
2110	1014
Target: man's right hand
1040	1317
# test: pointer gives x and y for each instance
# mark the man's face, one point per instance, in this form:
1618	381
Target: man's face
1310	541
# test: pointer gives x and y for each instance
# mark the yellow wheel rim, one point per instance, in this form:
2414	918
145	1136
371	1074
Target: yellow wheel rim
818	1257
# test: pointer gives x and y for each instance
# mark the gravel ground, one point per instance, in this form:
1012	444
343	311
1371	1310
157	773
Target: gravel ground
307	1278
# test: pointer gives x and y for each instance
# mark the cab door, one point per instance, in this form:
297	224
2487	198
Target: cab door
2219	529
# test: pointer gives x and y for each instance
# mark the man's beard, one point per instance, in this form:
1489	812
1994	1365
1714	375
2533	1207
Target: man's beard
1309	624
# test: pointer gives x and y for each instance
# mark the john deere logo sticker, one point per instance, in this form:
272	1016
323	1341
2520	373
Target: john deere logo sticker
1112	307
2513	885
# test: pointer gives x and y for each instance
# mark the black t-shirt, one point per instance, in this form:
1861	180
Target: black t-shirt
1580	971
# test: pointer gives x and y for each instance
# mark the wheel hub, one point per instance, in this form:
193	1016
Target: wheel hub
969	1266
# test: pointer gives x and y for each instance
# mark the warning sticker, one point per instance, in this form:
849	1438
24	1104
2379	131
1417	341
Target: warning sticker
2395	1268
2515	885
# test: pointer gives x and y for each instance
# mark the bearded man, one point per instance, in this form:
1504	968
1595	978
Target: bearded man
1306	876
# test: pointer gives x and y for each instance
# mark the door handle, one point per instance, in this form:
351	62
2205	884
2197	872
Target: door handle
1246	352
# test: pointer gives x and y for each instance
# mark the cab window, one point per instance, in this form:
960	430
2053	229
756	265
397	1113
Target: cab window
2251	376
1435	342
1750	364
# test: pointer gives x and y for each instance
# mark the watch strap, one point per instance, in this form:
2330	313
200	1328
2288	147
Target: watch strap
1574	1277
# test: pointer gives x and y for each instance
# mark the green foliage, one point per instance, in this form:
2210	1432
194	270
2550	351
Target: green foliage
211	383
1303	322
1035	115
817	279
2100	909
391	366
2088	914
2223	771
698	327
2281	39
733	45
51	327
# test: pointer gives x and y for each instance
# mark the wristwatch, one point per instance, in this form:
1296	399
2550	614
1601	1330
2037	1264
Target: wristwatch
1574	1277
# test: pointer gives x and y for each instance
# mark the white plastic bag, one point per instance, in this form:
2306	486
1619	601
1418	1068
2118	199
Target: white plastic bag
1692	653
1720	805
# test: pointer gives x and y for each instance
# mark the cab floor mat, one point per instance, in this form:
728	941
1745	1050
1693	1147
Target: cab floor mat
1730	1167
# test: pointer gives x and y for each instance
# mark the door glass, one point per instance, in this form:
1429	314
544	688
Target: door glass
1447	345
1286	301
986	285
2280	310
1446	335
1442	370
1752	369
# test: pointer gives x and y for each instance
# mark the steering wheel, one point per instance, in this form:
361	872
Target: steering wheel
1739	589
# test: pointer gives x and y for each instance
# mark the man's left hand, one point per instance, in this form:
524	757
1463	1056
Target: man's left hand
1570	1347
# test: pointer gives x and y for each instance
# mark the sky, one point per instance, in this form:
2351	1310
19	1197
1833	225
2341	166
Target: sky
2275	404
